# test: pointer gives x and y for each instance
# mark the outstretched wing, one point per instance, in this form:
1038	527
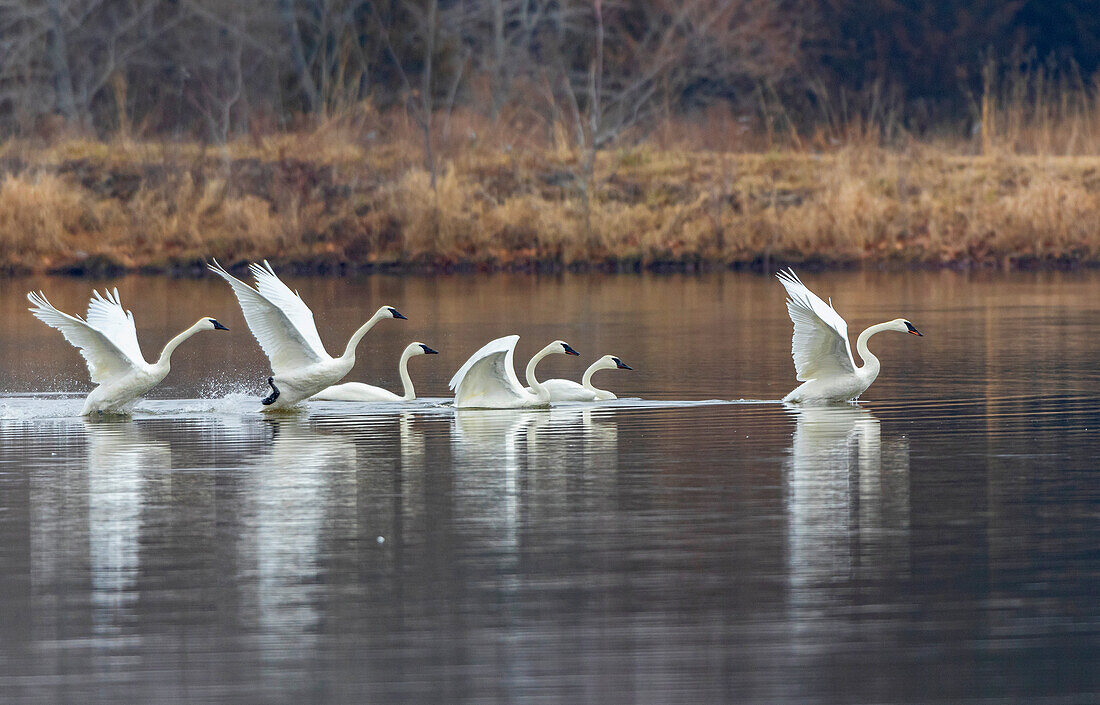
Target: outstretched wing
284	343
488	374
105	314
820	344
105	358
274	290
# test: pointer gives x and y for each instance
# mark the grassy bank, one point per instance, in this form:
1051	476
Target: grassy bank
321	202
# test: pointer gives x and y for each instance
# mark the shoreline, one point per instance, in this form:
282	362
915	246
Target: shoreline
95	209
100	268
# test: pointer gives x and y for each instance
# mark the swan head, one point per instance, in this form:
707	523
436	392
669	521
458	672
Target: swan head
391	312
212	324
422	349
619	364
610	362
560	346
903	326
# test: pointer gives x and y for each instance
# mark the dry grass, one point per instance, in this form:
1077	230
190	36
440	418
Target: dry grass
347	196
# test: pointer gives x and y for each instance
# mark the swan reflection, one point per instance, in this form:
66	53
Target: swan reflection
87	512
291	493
508	463
848	501
121	463
571	444
487	447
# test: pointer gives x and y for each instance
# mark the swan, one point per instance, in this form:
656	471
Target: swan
357	391
107	339
488	381
284	327
822	354
568	390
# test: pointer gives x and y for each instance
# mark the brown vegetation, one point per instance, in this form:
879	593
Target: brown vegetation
334	200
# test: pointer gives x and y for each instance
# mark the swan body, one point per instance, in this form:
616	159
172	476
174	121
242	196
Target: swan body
107	339
568	390
357	391
283	325
821	351
488	379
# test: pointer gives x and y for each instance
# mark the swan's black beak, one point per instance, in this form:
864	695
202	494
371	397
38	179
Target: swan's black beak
569	350
397	314
913	330
428	351
218	326
621	365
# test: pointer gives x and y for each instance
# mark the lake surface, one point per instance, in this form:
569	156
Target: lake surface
940	542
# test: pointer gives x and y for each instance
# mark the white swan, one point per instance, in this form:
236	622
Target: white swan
568	390
357	391
488	381
284	327
822	354
108	342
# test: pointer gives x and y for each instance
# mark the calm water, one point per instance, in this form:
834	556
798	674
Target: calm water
938	543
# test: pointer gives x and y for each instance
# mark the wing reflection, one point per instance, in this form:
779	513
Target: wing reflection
487	445
848	503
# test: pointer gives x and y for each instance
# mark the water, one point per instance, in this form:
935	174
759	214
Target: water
938	543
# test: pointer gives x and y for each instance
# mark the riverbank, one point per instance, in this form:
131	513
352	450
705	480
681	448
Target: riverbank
313	203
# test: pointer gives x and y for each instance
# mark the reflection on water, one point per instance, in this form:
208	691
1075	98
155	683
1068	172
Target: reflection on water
849	497
936	544
848	503
290	490
122	463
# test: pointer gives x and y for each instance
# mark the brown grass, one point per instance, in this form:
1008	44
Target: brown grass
355	197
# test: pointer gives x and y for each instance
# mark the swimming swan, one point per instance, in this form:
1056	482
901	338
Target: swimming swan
284	327
108	342
822	354
568	390
357	391
488	380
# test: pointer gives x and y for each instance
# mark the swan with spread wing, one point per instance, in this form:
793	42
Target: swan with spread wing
822	354
488	379
284	327
107	339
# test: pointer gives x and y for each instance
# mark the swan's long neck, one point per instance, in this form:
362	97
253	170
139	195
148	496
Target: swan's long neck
586	380
870	362
165	359
349	351
406	380
533	383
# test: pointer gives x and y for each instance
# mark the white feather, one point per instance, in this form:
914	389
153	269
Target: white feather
106	314
278	318
489	375
290	302
820	344
106	360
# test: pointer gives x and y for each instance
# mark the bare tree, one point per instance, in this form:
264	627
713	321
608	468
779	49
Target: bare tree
433	42
74	49
608	63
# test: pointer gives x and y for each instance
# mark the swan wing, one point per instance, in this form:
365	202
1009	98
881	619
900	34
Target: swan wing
489	372
274	290
104	357
284	343
820	344
105	314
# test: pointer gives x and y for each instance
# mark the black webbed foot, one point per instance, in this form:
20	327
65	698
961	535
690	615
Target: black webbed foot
270	398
